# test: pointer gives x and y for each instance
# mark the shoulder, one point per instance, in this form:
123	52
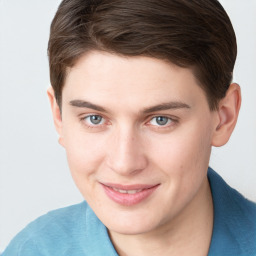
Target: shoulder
73	230
234	230
227	198
50	232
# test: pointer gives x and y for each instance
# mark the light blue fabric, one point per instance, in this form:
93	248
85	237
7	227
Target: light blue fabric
234	231
76	231
70	231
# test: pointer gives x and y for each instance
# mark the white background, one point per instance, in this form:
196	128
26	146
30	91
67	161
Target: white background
34	177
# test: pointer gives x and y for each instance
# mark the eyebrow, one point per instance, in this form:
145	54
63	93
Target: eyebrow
166	106
159	107
86	104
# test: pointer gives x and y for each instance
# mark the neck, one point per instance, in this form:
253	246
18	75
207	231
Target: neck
188	234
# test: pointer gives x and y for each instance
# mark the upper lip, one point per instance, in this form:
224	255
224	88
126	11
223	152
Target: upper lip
129	187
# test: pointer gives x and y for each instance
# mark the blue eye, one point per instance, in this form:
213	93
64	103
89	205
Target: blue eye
160	120
94	119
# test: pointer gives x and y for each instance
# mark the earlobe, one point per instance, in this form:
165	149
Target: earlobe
228	112
56	113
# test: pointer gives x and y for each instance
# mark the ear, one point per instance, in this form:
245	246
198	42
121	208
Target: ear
56	113
227	113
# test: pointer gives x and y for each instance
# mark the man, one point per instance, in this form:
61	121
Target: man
141	91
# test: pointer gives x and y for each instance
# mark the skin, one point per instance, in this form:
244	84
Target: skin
129	146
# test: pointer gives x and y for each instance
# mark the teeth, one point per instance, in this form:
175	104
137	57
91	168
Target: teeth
133	191
127	191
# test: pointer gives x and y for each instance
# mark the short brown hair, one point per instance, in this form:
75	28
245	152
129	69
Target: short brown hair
196	34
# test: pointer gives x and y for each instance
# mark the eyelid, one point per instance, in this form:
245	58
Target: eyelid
90	116
91	125
174	120
168	120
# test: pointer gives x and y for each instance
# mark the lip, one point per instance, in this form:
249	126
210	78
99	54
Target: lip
128	199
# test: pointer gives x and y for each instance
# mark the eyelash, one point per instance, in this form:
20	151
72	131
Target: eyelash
171	121
83	119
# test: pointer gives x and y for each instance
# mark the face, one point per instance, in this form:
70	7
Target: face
137	133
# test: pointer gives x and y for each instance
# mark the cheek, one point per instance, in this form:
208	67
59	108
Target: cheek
84	159
84	152
184	151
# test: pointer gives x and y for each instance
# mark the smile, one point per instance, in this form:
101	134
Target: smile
128	195
127	191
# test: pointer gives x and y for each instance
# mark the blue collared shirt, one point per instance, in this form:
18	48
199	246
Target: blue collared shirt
76	231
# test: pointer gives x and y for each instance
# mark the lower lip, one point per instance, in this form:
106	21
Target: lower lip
128	199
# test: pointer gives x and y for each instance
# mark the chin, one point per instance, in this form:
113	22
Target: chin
131	230
132	225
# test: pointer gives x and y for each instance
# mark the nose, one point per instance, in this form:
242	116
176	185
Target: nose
126	155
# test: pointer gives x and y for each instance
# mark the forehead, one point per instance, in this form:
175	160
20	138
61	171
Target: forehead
104	77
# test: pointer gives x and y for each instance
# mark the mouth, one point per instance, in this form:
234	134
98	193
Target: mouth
127	191
128	195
